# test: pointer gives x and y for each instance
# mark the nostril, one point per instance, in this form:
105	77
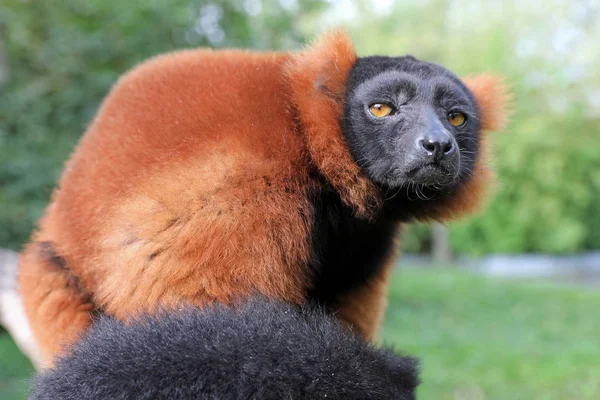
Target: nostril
438	149
448	147
427	145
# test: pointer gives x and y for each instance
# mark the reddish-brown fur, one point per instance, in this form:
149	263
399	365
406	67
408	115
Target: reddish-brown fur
191	184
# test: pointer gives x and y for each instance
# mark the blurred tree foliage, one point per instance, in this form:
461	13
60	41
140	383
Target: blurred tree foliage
64	56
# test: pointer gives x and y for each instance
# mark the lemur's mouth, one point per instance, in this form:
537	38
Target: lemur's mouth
426	167
431	174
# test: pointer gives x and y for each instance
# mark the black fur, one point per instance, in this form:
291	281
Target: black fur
421	94
347	250
47	252
261	350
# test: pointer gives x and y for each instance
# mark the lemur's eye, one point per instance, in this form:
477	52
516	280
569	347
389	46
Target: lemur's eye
381	110
457	118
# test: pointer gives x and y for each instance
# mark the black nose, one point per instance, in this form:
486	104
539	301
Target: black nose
437	145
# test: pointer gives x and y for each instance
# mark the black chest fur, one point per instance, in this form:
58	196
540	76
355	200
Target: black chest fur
346	251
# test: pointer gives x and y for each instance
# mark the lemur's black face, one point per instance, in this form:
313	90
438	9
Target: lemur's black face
411	124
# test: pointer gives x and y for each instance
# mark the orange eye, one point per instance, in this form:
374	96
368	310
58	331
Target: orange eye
380	110
457	118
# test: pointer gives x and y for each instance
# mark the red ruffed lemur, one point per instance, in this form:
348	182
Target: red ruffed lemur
210	176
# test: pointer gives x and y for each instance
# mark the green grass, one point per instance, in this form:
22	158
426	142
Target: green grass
477	338
15	370
481	338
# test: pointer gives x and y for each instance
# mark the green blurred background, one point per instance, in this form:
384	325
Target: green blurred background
479	338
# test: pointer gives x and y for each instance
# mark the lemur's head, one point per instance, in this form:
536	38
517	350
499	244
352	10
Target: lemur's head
396	126
410	123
